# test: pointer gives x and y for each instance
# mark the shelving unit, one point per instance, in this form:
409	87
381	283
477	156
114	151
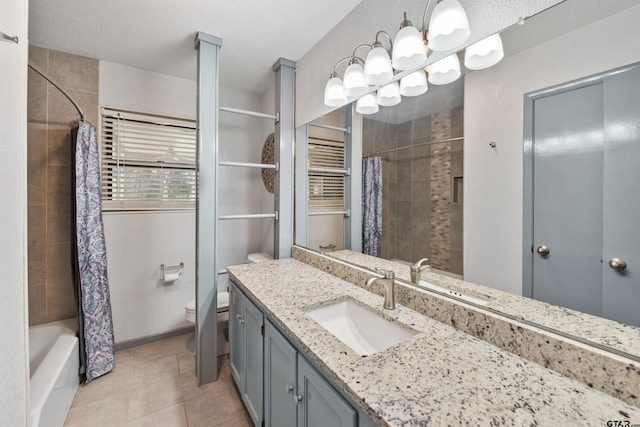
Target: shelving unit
208	164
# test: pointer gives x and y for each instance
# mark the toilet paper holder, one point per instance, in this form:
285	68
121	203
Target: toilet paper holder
171	272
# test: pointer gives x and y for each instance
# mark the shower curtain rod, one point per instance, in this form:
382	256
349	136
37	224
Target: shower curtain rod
46	77
442	141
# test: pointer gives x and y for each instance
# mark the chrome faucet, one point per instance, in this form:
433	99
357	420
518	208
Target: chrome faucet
418	268
388	283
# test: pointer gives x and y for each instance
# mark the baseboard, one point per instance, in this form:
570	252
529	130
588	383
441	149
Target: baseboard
151	338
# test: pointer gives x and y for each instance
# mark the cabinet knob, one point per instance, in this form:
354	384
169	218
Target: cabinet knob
289	388
298	398
242	321
238	316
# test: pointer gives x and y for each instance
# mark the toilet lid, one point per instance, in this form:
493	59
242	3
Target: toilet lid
259	257
223	302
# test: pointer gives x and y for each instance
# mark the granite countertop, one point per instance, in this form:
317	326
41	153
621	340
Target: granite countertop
439	376
605	332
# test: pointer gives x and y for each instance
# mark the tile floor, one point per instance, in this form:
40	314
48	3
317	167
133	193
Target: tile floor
155	385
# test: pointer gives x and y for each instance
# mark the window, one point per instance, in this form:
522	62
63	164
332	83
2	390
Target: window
148	162
326	190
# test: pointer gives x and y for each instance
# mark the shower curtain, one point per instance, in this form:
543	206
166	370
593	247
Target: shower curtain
371	205
92	287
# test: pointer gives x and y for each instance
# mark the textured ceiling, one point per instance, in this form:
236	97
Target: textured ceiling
157	35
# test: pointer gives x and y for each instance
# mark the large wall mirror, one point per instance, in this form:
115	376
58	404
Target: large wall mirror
419	145
423	149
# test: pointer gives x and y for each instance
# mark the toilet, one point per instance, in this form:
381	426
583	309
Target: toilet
190	307
223	307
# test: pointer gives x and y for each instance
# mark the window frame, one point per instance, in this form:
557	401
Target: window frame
154	171
321	202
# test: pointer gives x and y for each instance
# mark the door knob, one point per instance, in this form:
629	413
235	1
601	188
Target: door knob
617	264
543	250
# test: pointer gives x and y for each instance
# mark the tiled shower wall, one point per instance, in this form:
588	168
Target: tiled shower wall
49	172
420	217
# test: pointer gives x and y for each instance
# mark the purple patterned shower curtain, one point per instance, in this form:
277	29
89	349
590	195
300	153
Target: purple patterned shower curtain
94	303
372	205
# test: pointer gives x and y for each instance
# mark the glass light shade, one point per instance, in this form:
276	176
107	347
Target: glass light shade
334	93
354	84
484	54
389	95
414	84
408	49
448	26
445	71
367	104
377	67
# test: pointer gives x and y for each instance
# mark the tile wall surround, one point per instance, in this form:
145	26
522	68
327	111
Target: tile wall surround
419	216
49	174
609	373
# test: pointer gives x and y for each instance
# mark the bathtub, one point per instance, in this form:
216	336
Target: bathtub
54	365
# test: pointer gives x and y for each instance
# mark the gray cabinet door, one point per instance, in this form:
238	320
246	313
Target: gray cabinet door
621	287
279	379
568	140
254	368
236	338
319	404
365	421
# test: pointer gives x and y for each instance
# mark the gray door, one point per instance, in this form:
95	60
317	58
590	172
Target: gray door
621	287
254	362
320	404
585	186
280	379
236	340
567	198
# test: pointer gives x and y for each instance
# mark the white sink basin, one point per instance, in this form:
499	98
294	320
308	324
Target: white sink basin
365	331
459	295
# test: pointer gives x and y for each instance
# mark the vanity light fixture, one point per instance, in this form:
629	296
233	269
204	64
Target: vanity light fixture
377	66
448	26
389	95
408	51
367	104
485	53
334	92
445	71
448	29
354	84
354	79
414	84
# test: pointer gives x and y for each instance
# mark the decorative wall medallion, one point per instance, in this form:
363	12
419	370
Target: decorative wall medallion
268	157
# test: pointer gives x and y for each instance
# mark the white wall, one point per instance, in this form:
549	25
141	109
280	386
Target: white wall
360	26
138	243
14	368
494	112
140	90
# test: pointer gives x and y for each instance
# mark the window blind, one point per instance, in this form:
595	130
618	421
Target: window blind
326	190
147	162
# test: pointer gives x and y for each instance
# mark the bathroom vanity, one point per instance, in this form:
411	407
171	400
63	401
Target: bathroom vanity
291	370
